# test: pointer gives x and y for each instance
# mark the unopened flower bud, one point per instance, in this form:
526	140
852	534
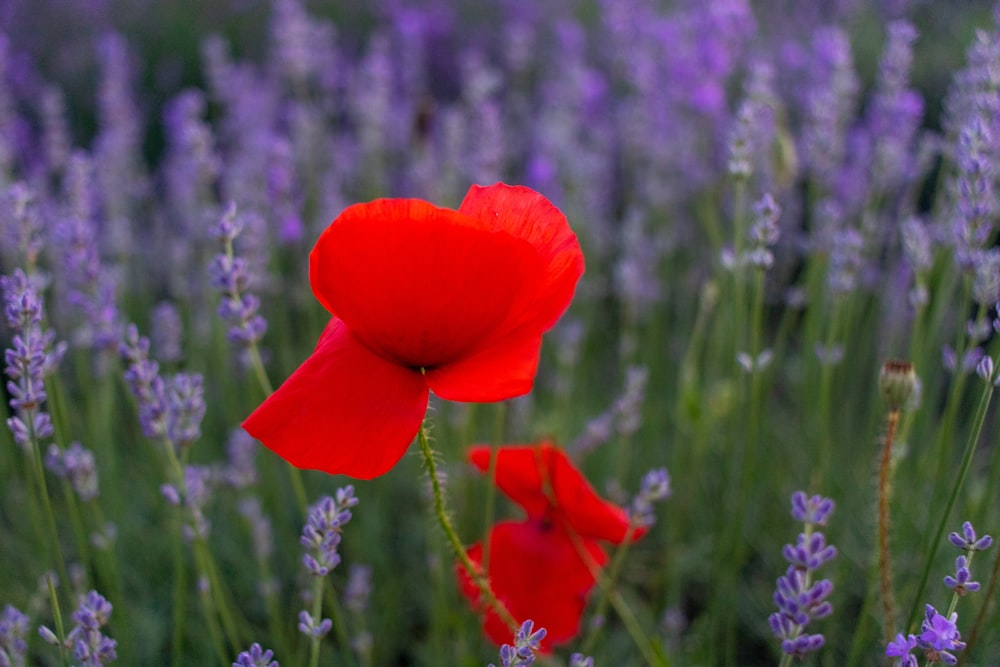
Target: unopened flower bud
897	382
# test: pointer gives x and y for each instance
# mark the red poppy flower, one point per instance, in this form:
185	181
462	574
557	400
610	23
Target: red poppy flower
537	567
423	299
536	571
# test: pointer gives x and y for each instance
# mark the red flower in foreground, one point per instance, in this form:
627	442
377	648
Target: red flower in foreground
423	298
539	567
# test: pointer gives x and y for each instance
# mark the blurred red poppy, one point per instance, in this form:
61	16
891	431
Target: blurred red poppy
423	299
539	567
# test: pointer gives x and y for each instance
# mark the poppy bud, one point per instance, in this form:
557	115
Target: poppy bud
897	382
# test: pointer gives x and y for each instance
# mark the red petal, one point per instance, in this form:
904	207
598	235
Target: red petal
420	285
528	215
501	371
344	411
538	574
519	474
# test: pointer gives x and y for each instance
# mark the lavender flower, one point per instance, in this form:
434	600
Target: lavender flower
526	642
895	111
829	104
117	147
799	599
900	648
193	495
321	533
968	540
623	417
167	329
814	511
358	590
21	225
76	463
311	628
191	165
969	362
255	657
240	471
230	276
764	233
260	527
321	538
86	640
13	630
171	409
984	369
580	660
143	379
33	356
940	636
961	583
90	286
655	486
185	403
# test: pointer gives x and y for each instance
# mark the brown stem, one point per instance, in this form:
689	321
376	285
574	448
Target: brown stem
885	574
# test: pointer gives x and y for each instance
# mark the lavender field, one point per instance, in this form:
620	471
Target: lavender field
483	332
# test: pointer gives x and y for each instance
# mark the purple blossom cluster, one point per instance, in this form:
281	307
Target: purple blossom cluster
86	640
90	284
193	494
939	637
171	408
527	640
77	464
321	533
623	418
230	275
321	536
13	630
799	598
255	656
34	354
655	486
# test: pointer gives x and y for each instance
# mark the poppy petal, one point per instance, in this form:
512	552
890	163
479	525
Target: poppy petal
522	473
528	215
345	410
421	286
504	370
537	573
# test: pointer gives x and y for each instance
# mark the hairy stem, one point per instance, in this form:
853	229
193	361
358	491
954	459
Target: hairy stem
476	574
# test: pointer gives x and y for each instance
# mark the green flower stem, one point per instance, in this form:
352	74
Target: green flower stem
600	608
76	523
317	615
110	573
43	491
294	474
476	574
220	598
337	614
826	394
211	620
177	636
217	600
652	653
491	489
57	618
970	450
